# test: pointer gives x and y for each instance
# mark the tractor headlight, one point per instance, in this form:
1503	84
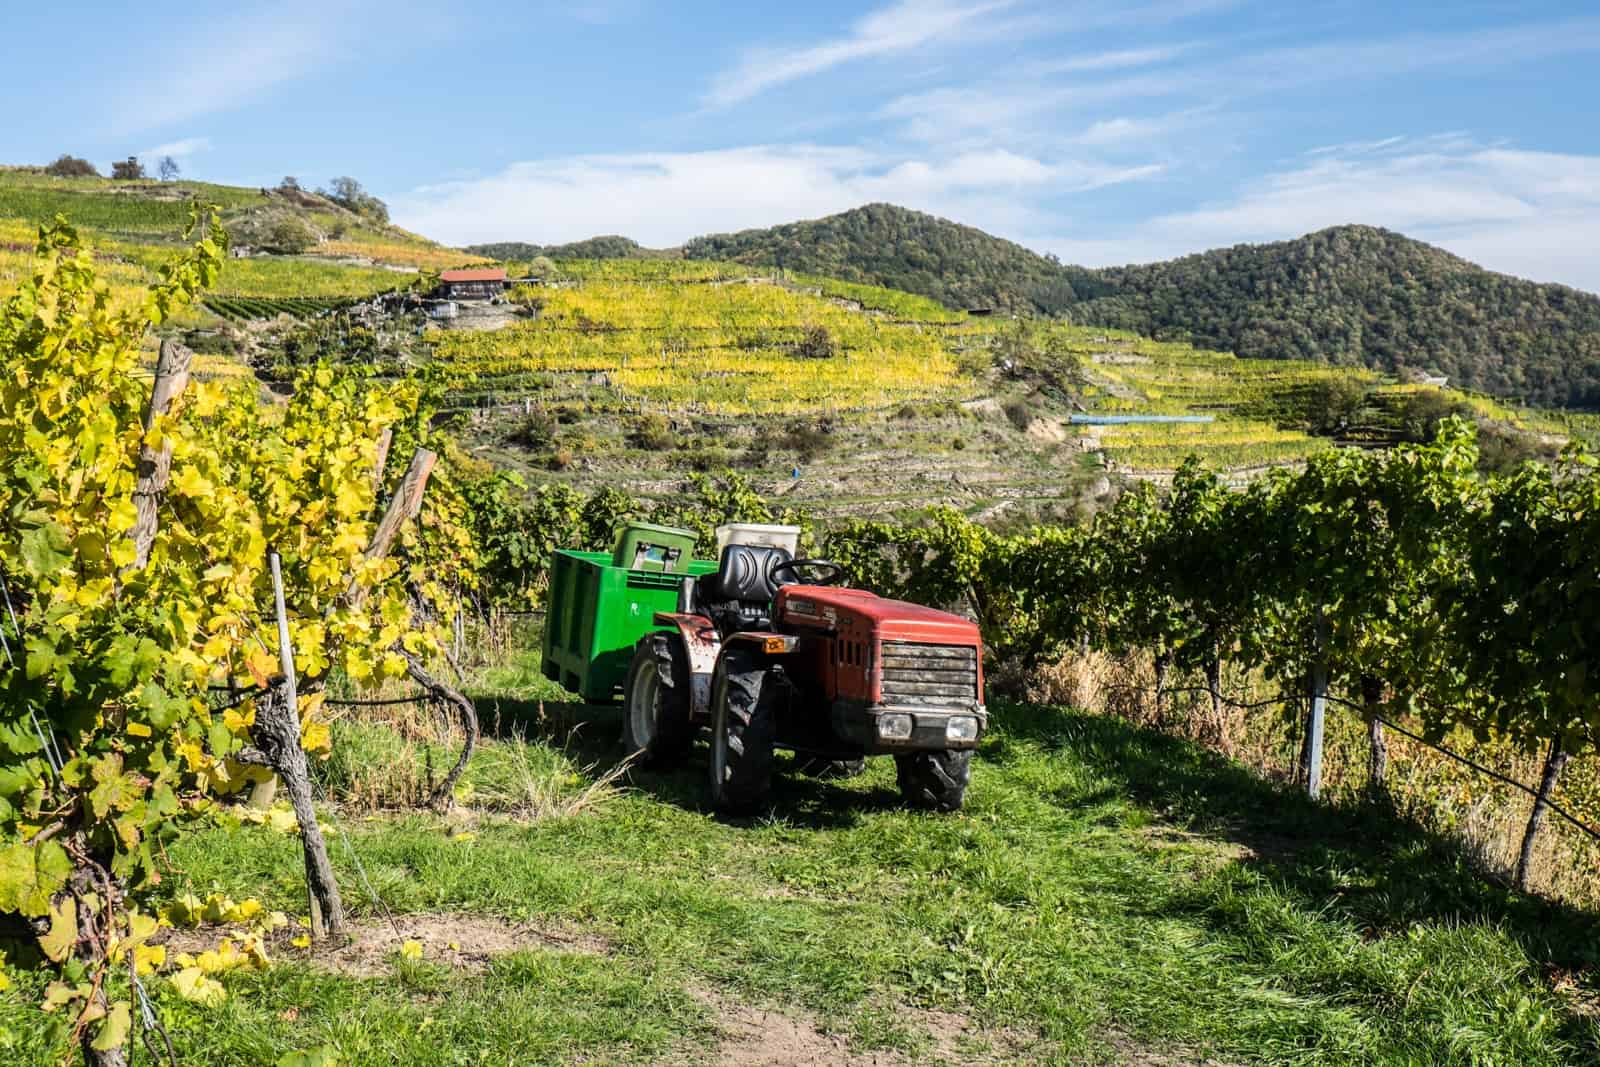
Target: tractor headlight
895	726
961	728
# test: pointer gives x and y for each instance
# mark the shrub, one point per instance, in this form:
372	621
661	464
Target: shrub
652	433
1424	410
816	343
290	236
348	194
808	439
67	166
1021	412
1334	405
128	170
537	431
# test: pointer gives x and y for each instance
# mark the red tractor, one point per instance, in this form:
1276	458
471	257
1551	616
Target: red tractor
771	652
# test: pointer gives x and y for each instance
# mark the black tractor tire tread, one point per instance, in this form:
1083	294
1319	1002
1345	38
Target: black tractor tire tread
750	734
826	769
675	733
935	781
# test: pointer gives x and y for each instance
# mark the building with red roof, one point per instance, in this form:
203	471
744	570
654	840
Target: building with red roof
474	283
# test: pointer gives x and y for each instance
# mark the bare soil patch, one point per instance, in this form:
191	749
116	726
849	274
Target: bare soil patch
1134	1054
464	941
756	1036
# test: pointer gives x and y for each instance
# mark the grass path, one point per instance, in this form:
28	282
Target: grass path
1108	896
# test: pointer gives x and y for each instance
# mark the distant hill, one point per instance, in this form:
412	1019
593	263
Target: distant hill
609	246
886	245
1351	295
1356	295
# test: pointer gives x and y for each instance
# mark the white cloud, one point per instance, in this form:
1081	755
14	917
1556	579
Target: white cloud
1115	60
666	198
1125	131
902	27
178	150
1528	213
1034	95
235	60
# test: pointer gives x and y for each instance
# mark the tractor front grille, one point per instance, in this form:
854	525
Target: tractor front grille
929	676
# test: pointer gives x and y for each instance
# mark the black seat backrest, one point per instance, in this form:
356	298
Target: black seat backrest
744	574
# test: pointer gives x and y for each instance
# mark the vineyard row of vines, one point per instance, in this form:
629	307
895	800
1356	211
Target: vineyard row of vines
165	544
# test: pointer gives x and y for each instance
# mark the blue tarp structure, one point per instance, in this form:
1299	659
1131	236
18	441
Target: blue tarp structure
1120	420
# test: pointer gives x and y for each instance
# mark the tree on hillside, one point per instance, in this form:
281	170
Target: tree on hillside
290	236
67	166
348	193
128	170
168	170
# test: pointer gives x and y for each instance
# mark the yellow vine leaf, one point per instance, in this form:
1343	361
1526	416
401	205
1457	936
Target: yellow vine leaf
191	984
114	1030
317	739
57	944
146	958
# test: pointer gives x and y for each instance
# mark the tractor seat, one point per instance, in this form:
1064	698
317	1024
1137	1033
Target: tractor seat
738	594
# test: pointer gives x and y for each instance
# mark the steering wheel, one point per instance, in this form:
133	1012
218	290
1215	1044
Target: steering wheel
832	573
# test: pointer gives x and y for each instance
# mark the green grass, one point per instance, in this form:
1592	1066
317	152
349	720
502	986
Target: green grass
122	207
1106	890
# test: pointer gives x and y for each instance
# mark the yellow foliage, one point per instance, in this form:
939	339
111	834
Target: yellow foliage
191	984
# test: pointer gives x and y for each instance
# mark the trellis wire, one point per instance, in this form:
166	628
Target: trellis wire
47	738
1496	775
420	698
361	871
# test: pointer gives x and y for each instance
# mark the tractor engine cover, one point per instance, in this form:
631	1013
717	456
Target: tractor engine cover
869	657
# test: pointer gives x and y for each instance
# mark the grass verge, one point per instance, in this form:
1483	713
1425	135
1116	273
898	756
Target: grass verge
1108	894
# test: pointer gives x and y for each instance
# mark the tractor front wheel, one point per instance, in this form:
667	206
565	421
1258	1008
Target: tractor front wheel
655	716
934	780
744	726
825	769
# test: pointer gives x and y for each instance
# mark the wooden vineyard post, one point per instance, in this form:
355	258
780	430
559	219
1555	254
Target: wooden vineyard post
380	458
1553	765
405	504
1319	711
155	464
1377	746
276	732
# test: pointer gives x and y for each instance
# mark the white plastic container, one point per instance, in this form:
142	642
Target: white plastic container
755	533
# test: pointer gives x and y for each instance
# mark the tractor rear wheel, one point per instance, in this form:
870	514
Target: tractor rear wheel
655	716
744	724
817	767
934	780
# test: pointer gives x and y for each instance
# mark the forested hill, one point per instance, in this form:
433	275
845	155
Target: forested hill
1359	295
881	244
1349	295
609	246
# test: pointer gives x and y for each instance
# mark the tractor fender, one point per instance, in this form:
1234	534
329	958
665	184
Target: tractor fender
701	643
769	643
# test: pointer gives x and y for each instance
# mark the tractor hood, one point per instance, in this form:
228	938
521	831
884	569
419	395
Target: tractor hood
826	607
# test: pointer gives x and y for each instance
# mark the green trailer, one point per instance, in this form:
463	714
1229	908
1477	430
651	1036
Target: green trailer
598	611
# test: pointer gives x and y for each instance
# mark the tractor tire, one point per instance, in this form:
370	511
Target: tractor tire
817	767
656	731
936	781
744	724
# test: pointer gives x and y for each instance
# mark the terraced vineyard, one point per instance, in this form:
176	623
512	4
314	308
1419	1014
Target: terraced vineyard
241	309
884	400
711	347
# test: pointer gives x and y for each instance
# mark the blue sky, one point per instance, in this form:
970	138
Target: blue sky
1103	132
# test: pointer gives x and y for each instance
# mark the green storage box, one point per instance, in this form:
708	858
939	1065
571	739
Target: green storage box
644	547
596	614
